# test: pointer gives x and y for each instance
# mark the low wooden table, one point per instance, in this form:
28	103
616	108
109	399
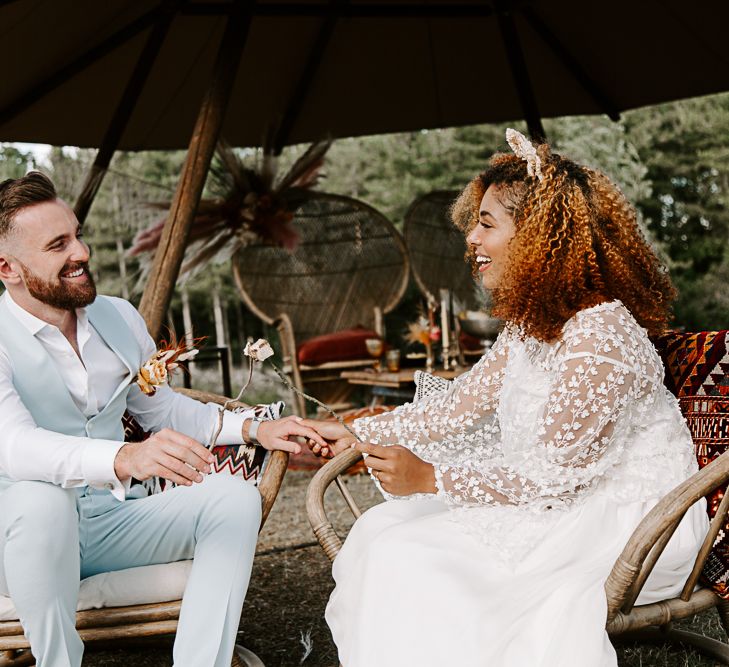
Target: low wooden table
388	386
399	380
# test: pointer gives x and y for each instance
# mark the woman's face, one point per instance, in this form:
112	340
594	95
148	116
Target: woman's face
489	239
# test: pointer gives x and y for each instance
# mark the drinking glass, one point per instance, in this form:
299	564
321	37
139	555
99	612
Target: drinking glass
375	347
392	359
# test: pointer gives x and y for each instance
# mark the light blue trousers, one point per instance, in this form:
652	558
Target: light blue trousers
51	538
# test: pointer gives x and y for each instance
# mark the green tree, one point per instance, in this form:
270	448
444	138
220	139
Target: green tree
684	146
14	162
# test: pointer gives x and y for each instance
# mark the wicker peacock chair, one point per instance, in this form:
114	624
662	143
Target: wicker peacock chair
350	268
437	249
437	257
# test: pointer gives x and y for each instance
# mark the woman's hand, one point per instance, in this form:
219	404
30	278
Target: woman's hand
336	436
398	470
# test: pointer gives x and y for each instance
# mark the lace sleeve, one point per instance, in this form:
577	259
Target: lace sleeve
464	412
601	369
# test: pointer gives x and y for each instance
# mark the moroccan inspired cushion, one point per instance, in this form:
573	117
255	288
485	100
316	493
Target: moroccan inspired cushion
343	345
697	372
245	461
427	384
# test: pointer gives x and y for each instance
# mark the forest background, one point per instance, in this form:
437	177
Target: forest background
672	162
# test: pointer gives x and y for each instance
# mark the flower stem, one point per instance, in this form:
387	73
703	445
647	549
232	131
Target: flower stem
224	407
297	391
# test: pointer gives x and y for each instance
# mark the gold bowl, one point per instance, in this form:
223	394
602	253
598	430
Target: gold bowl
480	325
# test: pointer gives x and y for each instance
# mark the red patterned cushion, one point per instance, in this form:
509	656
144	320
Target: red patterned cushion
343	345
697	372
245	461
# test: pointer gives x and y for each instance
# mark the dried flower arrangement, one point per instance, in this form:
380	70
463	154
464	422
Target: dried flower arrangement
247	205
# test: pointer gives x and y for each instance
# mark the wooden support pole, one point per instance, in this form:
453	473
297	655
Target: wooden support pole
187	319
121	258
519	71
171	248
311	66
219	318
124	110
571	64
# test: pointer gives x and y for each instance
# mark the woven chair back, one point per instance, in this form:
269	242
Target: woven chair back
349	261
437	249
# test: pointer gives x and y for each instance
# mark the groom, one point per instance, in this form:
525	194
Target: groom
67	358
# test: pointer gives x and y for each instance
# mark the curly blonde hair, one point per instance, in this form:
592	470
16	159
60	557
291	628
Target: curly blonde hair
577	244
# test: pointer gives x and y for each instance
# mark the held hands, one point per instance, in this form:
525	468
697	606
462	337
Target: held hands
277	434
398	470
336	438
183	460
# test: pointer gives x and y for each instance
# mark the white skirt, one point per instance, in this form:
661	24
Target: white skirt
414	588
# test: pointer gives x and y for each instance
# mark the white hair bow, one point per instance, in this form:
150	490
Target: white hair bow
525	150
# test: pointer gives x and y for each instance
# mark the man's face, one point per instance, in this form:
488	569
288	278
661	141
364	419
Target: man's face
50	257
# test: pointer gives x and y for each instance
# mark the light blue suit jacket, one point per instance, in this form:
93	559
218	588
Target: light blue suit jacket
41	388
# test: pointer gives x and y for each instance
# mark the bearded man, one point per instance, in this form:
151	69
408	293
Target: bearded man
67	359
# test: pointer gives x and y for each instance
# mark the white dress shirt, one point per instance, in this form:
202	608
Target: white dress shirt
28	452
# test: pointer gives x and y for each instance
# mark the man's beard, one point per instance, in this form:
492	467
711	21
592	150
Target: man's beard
63	296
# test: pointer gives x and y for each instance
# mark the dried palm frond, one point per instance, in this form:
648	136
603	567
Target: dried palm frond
247	206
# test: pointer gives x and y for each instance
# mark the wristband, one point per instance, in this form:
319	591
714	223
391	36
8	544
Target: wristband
253	431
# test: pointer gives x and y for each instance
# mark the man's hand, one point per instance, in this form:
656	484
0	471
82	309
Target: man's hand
278	434
168	454
399	471
337	438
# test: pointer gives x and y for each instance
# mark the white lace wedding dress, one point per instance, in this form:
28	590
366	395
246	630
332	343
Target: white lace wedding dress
547	456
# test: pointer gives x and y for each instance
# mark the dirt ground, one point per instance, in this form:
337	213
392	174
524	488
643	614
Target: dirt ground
283	616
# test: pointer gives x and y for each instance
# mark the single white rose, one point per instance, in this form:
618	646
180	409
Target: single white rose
258	351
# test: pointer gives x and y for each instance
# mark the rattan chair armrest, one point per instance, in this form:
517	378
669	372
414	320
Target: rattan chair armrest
320	524
209	397
278	461
288	343
664	517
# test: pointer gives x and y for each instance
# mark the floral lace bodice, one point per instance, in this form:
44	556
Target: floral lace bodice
542	425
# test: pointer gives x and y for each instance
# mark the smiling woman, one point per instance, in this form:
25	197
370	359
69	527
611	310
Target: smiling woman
490	237
512	490
562	244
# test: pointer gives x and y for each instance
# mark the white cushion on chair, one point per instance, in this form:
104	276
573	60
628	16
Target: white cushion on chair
137	585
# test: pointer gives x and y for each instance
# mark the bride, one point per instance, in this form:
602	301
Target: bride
512	492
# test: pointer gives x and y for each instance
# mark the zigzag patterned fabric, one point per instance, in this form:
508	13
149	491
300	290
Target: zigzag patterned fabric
697	373
244	461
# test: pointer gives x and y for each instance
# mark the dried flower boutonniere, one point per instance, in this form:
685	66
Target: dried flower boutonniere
157	369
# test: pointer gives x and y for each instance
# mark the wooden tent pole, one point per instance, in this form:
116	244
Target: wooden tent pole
571	64
171	248
519	71
124	110
313	61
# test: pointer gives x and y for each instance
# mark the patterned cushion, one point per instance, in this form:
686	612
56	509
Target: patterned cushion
427	384
344	345
243	461
697	372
